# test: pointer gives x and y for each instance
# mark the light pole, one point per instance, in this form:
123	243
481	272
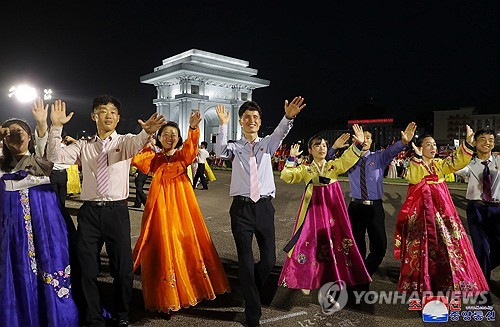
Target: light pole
25	93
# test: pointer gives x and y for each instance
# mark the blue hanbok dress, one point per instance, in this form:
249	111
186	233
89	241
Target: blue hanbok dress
35	272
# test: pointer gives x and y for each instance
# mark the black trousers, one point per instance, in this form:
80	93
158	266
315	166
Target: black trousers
248	219
484	228
200	173
139	181
59	182
371	219
96	226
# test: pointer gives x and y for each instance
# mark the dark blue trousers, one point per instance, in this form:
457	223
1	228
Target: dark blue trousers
484	228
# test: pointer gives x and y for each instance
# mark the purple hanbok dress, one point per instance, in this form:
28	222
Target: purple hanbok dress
322	248
35	272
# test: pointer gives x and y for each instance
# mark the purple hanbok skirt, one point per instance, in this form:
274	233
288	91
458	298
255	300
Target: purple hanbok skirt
325	250
35	288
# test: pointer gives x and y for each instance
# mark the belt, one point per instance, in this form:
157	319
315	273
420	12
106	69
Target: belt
487	203
119	203
263	198
365	202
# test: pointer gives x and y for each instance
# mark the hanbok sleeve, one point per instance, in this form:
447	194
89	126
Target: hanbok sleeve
190	146
291	174
346	160
457	161
143	159
415	171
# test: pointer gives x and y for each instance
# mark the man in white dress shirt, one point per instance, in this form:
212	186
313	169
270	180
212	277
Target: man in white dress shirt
483	195
103	217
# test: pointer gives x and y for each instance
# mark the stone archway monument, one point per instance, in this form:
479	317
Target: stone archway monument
198	79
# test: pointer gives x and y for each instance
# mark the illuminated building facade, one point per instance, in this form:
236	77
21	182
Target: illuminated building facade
200	80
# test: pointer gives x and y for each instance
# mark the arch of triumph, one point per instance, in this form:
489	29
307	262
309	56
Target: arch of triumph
201	80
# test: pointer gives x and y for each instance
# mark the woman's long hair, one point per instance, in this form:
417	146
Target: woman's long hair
6	158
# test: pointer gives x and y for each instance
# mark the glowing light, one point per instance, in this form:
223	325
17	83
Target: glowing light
47	94
23	93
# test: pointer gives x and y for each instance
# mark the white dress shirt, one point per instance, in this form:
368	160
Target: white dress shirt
121	149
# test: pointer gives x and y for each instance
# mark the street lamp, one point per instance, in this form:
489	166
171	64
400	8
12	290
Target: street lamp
47	94
23	93
26	93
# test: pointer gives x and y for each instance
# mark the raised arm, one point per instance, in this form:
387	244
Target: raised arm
190	146
39	112
292	109
153	124
291	174
462	156
55	153
221	146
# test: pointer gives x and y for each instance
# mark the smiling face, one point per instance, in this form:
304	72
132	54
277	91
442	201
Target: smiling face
429	148
250	121
18	140
169	138
484	144
318	149
106	117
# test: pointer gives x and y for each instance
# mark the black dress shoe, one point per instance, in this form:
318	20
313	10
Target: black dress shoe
166	315
122	323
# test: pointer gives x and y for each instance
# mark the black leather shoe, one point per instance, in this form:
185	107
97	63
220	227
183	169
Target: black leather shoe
122	323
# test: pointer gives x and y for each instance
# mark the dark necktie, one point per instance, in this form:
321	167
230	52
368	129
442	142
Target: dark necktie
362	179
486	196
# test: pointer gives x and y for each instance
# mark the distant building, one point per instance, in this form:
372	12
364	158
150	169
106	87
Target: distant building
450	124
197	79
383	131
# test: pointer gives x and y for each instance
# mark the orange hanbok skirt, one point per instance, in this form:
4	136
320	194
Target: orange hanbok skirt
179	263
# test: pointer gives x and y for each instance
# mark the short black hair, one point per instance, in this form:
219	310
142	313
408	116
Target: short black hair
171	124
104	100
420	139
486	131
249	105
205	144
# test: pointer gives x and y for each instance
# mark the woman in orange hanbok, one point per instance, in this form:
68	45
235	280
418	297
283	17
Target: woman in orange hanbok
179	263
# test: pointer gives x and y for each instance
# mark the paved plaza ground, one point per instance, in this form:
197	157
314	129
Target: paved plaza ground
282	307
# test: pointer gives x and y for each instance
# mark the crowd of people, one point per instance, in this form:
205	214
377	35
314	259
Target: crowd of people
49	268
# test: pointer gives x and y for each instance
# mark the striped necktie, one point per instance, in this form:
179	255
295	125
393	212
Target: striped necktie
254	176
102	169
362	179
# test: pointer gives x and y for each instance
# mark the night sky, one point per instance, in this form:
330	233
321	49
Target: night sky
349	59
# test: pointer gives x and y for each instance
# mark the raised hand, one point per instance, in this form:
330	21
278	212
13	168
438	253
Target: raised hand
294	150
469	135
58	115
194	119
223	114
341	141
358	134
408	133
153	124
39	112
418	150
293	108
